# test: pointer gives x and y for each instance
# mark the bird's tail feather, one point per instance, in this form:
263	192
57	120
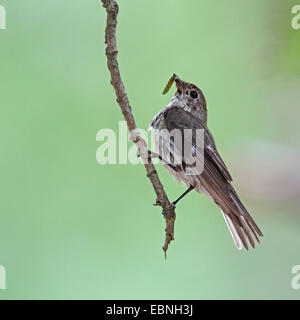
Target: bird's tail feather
241	230
245	215
235	236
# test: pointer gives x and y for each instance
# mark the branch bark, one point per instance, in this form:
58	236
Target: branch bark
162	200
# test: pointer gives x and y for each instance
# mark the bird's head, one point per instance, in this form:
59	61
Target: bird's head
189	96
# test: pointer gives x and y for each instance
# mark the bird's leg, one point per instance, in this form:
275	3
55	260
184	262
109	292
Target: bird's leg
184	194
152	155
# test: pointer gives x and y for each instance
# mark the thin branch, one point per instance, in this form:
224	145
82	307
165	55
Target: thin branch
112	10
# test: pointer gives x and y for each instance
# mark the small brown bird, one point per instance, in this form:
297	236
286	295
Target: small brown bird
187	112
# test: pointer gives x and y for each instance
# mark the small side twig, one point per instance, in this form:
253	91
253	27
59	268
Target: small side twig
112	10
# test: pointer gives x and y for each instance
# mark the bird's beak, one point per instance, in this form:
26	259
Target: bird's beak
179	84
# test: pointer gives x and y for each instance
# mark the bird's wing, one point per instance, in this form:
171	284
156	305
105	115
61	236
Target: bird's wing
214	154
215	177
178	118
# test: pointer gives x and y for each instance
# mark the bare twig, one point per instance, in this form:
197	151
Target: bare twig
112	9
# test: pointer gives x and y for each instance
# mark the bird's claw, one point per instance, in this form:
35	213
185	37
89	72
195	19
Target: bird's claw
173	207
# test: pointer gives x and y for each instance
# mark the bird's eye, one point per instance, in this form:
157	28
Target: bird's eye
194	94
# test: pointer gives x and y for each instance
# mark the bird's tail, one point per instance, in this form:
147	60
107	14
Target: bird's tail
241	225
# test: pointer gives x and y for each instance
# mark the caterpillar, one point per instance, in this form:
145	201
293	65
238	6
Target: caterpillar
169	84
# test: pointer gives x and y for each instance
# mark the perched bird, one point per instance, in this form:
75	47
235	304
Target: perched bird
187	111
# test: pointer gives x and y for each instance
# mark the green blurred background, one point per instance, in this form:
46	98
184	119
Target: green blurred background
72	229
